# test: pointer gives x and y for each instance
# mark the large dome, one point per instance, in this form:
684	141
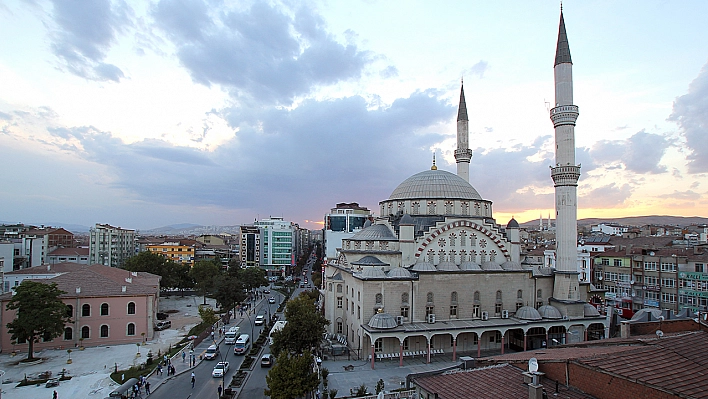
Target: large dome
435	184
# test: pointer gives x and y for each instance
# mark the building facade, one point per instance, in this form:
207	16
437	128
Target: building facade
250	246
278	242
179	251
111	246
342	222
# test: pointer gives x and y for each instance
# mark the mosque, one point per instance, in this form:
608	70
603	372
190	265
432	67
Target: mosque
435	273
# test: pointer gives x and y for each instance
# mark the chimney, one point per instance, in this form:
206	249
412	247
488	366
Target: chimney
535	387
625	329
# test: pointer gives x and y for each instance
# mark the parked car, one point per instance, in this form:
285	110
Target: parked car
220	369
162	316
267	360
271	299
260	319
162	325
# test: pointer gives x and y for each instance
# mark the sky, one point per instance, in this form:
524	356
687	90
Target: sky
142	114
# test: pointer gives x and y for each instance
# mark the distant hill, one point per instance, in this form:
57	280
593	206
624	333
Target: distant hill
634	221
186	229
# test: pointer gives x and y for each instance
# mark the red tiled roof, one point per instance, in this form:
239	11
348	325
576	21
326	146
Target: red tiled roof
48	269
501	381
70	251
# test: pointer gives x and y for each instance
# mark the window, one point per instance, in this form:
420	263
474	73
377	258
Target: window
404	298
379	299
378	345
131	307
476	296
499	296
69	311
104	309
497	309
404	311
68	333
539	294
519	294
650	266
475	311
405	344
339	327
699	267
519	305
429	310
131	329
617	262
453	311
668	267
668	282
339	288
668	297
86	310
85	332
104	331
339	302
358	312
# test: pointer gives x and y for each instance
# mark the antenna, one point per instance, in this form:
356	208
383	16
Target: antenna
659	333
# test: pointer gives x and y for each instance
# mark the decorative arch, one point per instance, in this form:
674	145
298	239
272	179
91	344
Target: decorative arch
491	236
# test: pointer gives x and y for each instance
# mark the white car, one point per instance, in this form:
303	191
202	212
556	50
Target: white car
260	319
220	369
271	299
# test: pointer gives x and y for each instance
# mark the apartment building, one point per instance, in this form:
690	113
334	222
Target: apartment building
181	251
110	246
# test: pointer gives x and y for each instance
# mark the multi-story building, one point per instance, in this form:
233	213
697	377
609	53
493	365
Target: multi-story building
343	221
693	282
73	255
250	246
278	245
179	251
110	246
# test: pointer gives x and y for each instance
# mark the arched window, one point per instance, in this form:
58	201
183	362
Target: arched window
85	332
404	298
86	310
104	331
429	297
476	296
68	333
499	296
453	297
519	294
131	307
69	311
539	294
104	309
131	329
339	288
379	299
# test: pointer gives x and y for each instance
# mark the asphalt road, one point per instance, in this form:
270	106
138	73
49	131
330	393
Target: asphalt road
205	385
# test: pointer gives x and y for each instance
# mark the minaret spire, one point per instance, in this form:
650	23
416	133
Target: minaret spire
463	154
565	174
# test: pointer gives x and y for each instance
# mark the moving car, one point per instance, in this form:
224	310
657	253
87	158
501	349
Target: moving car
266	291
232	335
220	369
260	319
212	352
267	360
242	345
161	325
271	299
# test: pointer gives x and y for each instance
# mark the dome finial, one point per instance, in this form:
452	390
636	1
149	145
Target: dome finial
433	167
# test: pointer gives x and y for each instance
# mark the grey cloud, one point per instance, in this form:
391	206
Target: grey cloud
690	114
681	195
640	153
478	69
86	31
5	117
260	53
606	196
389	72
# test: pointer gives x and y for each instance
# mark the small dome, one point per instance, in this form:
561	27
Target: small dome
369	261
469	266
367	223
374	232
424	267
511	265
382	321
407	219
373	272
549	312
435	184
491	266
447	266
399	272
513	224
527	313
590	311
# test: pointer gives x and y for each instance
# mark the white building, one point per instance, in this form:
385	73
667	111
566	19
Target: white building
343	221
278	245
609	229
110	246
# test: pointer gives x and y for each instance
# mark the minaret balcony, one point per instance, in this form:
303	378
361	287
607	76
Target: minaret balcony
567	175
564	115
463	155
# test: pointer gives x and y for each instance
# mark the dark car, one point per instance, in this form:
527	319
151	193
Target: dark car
162	316
266	291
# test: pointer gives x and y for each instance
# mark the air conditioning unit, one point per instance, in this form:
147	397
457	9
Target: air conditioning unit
485	315
399	320
431	318
505	314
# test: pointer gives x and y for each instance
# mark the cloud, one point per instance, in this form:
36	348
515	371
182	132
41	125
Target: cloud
640	153
681	195
478	69
690	114
608	196
85	32
261	53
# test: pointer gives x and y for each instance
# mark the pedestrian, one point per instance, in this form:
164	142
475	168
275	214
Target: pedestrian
192	380
212	335
159	369
147	387
219	389
173	370
183	356
55	395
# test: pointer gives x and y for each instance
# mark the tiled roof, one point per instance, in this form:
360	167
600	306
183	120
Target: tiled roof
502	381
48	269
70	251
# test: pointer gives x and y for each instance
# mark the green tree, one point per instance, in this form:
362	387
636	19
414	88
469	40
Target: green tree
252	277
155	263
40	313
304	329
204	273
208	315
229	291
291	377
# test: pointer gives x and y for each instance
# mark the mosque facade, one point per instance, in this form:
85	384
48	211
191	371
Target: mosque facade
435	273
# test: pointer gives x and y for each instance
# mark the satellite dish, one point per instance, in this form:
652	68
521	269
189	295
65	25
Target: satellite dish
533	365
659	333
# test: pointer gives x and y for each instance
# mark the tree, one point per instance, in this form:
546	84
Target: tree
40	313
208	315
304	329
229	291
152	262
291	377
204	274
252	277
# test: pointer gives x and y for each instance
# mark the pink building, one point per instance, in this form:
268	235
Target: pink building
109	306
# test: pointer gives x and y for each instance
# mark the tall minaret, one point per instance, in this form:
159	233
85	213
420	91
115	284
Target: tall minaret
565	174
463	154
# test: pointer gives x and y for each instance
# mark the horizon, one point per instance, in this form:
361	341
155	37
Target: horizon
218	113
